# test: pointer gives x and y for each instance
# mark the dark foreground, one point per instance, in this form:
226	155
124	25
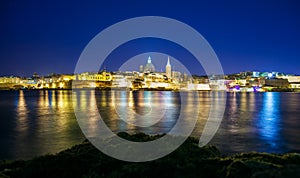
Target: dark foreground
188	160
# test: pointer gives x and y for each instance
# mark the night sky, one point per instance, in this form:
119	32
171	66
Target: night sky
49	36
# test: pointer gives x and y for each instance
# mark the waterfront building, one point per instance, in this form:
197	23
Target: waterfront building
103	76
294	81
176	75
275	82
291	79
295	85
217	84
141	68
67	77
198	87
255	74
11	79
10	82
118	81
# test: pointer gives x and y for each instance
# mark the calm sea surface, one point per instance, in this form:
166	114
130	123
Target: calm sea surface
38	122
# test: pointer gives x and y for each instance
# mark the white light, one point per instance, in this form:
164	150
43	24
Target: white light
270	75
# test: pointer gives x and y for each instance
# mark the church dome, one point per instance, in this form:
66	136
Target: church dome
149	67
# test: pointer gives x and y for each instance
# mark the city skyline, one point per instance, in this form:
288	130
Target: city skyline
246	36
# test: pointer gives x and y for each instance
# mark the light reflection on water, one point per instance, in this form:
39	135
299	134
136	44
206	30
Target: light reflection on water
22	114
128	111
269	120
40	122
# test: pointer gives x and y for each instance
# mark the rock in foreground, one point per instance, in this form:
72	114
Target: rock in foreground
188	160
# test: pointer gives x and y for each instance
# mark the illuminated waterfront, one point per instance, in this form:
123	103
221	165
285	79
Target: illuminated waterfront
37	122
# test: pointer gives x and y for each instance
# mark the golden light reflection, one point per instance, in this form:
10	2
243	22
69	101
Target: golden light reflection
103	99
53	99
234	103
130	99
60	101
83	100
41	98
243	101
131	112
46	98
190	99
233	126
74	100
251	101
113	98
92	101
92	112
204	100
22	113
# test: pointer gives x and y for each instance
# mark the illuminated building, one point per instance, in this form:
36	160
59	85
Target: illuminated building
275	82
295	85
141	68
217	84
185	77
103	76
9	80
67	77
198	87
255	74
119	81
294	81
176	75
149	79
291	79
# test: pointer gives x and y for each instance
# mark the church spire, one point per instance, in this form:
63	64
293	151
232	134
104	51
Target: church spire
168	64
168	69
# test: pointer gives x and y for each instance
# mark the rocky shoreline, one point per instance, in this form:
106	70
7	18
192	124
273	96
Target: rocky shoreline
84	160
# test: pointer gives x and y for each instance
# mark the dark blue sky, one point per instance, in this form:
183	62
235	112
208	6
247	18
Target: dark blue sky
48	36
